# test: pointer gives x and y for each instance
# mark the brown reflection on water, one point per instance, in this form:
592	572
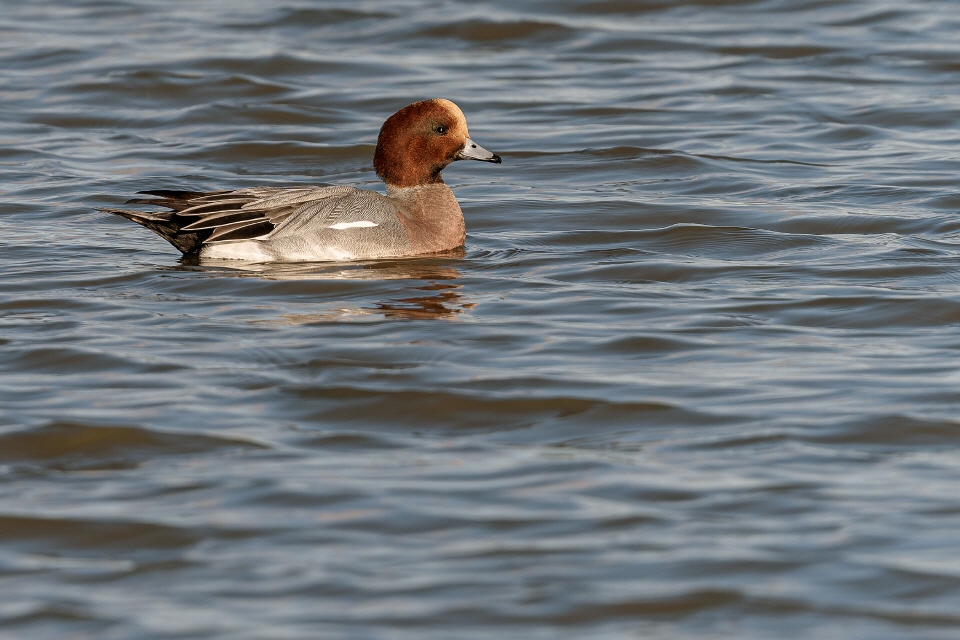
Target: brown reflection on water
446	305
442	306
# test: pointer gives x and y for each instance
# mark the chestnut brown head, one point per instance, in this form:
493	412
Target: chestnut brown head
419	141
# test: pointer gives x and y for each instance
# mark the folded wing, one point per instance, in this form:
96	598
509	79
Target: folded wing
197	218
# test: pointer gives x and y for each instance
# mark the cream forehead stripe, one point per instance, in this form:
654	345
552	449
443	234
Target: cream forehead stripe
455	110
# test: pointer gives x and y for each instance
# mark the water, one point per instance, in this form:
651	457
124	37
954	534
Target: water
694	375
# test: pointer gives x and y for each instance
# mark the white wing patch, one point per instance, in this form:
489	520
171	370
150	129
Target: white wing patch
351	225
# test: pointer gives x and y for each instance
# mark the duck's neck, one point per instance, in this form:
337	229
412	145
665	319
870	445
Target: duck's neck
431	215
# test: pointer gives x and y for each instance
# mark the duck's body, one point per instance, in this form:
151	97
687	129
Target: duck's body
419	215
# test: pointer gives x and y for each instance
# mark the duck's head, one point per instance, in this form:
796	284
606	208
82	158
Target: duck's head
419	141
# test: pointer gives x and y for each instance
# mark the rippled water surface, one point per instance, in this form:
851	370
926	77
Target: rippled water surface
693	376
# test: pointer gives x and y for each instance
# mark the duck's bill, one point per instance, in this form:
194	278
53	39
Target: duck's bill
472	151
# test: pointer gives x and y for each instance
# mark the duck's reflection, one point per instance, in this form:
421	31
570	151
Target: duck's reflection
445	304
444	300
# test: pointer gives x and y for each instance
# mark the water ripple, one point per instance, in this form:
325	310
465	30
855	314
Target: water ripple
693	375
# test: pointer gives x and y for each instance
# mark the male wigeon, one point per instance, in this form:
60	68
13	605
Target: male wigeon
419	214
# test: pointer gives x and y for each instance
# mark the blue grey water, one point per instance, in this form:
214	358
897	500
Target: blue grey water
695	374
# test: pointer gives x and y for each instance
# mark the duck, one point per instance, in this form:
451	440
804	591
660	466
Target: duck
419	215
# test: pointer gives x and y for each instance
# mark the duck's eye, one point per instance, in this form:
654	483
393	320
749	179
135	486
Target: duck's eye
441	129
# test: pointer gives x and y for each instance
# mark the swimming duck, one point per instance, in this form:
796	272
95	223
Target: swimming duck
419	215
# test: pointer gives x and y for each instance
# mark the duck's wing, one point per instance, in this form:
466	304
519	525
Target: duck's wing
347	208
197	218
253	213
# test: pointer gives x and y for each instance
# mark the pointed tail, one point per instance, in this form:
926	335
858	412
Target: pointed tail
167	225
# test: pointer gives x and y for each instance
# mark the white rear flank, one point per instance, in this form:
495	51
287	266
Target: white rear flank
249	250
256	251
